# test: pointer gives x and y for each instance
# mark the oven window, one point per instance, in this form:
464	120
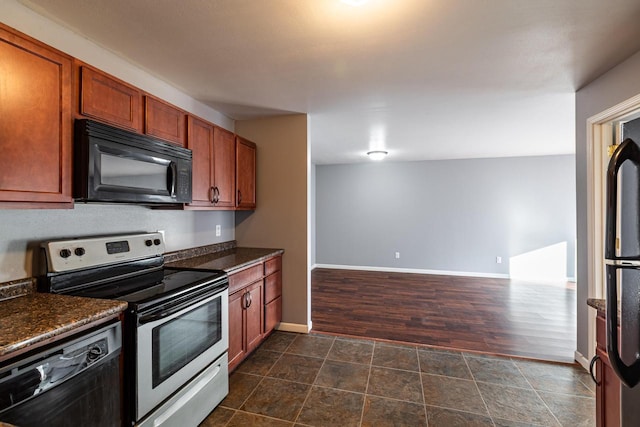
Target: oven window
123	172
182	339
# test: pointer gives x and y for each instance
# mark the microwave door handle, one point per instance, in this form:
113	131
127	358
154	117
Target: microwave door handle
628	150
172	175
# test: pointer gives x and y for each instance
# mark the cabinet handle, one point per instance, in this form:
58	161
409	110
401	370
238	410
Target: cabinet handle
591	365
239	197
212	192
216	197
245	301
250	299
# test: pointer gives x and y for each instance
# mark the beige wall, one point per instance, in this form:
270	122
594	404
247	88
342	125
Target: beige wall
280	219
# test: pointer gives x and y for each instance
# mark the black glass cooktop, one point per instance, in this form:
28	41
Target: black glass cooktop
153	286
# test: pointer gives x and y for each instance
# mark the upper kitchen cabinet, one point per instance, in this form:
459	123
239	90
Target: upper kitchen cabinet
224	156
164	121
35	123
109	100
245	174
213	165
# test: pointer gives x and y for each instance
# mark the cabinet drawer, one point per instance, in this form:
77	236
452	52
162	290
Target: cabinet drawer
272	286
272	265
245	277
272	314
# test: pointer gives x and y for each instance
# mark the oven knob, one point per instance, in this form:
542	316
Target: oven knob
156	242
79	251
148	242
65	253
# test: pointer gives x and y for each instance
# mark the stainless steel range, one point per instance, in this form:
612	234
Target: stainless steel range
176	331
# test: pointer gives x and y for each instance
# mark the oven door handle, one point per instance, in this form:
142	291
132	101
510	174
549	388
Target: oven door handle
165	311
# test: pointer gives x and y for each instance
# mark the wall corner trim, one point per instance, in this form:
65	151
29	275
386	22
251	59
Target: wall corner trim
578	357
295	327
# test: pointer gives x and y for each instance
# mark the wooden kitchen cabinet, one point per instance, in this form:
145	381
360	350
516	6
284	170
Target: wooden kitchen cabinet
245	318
608	384
255	307
224	170
272	293
164	121
110	100
245	174
213	165
35	123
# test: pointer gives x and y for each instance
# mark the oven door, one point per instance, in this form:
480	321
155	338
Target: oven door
173	347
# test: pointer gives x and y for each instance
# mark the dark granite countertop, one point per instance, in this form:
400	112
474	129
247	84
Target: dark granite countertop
598	304
228	260
36	317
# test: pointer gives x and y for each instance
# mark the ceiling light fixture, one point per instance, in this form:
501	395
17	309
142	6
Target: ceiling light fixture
377	154
354	2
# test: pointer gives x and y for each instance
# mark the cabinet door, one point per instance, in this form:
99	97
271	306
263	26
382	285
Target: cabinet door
164	121
245	174
237	347
106	99
200	142
254	313
607	393
224	149
35	123
272	314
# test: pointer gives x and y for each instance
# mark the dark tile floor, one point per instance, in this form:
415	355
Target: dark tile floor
321	380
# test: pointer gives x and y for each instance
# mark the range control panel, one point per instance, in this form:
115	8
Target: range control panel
74	254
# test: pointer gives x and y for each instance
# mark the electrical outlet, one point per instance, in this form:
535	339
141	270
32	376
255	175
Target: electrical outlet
397	255
498	260
218	230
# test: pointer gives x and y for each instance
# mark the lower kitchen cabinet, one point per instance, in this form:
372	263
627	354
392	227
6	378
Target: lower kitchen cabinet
255	307
245	322
608	384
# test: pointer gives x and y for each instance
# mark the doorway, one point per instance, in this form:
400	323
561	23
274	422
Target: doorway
604	130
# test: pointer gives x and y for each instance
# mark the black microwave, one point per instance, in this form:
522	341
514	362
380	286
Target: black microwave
114	165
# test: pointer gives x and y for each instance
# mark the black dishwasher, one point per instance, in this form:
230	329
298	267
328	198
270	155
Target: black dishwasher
75	382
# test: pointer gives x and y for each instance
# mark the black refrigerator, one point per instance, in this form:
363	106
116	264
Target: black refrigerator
622	264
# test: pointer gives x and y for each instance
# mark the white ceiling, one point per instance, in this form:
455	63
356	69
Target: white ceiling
423	79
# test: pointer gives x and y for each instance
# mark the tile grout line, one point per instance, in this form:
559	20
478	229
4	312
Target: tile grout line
295	420
424	402
263	377
475	383
538	394
366	388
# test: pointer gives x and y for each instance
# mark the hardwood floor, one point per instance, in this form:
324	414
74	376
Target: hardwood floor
500	316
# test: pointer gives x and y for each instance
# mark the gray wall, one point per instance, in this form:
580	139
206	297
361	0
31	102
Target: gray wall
451	215
21	231
612	88
312	214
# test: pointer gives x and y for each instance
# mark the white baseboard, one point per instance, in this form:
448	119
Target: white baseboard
294	327
581	360
412	270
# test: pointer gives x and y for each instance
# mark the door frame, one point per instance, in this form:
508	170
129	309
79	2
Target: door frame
599	136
